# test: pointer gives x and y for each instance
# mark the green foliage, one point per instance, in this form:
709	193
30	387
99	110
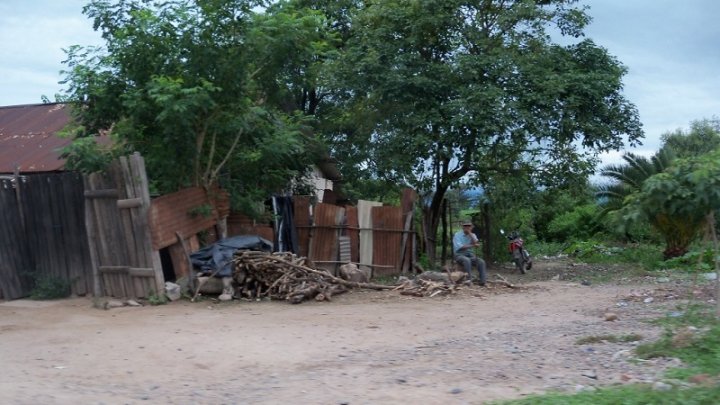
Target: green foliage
204	90
157	299
553	202
451	99
647	256
204	210
50	288
703	137
628	178
628	395
581	223
677	201
694	261
674	198
85	154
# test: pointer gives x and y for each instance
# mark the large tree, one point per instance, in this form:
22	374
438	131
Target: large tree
204	89
439	92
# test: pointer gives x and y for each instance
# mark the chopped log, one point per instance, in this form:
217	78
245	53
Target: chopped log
503	281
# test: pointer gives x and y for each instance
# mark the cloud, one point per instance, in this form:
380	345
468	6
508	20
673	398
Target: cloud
34	35
670	50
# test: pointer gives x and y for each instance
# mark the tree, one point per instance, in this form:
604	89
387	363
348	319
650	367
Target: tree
703	137
678	201
441	92
199	88
627	179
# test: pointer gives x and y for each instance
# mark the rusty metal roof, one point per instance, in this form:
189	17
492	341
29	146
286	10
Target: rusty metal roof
28	137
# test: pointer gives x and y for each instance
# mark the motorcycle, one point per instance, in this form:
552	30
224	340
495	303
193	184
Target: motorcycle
520	255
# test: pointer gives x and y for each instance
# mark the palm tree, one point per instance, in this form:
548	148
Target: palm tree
628	179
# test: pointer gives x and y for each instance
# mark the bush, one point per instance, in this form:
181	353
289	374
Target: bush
50	288
578	224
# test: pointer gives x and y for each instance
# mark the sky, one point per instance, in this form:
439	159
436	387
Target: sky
671	50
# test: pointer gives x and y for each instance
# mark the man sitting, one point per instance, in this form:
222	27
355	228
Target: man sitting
463	243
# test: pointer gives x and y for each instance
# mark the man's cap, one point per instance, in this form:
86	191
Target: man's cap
467	223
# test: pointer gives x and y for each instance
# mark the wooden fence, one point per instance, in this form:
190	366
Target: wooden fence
103	233
42	233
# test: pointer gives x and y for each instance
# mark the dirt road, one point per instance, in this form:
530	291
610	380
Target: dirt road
365	347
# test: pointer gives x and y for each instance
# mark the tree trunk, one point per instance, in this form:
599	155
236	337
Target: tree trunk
443	257
710	218
431	221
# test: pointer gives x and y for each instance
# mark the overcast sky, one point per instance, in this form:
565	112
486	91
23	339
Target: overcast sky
671	49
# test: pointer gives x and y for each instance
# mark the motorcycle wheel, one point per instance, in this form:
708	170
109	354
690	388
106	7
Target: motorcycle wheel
520	264
528	260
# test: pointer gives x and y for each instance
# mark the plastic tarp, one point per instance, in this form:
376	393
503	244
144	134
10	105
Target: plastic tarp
218	256
287	239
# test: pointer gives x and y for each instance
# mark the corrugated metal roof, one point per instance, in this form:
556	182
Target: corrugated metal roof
28	137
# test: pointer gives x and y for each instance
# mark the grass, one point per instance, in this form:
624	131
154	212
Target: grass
629	395
157	299
693	337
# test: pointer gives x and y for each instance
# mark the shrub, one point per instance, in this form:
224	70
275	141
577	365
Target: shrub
50	288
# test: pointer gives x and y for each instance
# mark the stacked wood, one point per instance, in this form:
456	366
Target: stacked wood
284	276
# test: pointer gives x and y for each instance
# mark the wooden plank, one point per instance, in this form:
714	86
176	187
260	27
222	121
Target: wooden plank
76	236
38	227
129	203
366	234
133	246
141	272
110	224
114	269
407	203
90	229
142	191
15	257
107	193
92	239
179	260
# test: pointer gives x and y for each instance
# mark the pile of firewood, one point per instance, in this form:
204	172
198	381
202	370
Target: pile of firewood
284	276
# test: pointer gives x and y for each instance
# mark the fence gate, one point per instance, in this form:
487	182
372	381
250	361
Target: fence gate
116	210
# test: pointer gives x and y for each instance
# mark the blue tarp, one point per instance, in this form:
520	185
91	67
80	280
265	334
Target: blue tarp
219	255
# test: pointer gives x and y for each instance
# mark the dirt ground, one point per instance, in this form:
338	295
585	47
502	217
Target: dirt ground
364	347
